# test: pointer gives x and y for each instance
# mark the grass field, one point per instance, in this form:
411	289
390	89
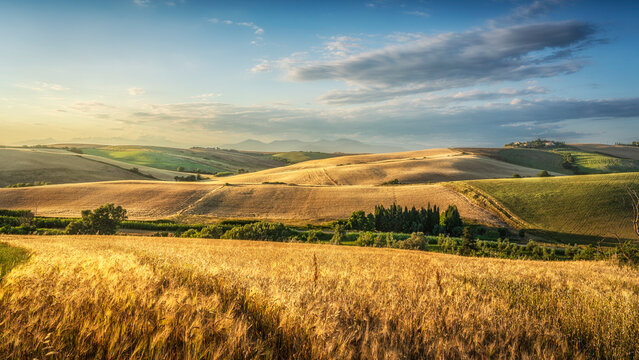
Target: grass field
134	297
55	167
11	257
595	163
594	205
620	151
206	159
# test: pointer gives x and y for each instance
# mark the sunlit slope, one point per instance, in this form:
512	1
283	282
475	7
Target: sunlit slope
55	166
408	167
206	299
620	151
594	205
152	200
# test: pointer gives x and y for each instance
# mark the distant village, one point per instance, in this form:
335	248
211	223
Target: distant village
536	144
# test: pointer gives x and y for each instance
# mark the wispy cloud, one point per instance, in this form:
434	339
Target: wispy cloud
207	96
258	31
135	91
142	3
42	86
342	46
526	12
455	60
417	13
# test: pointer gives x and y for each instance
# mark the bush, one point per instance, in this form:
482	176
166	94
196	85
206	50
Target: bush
339	236
365	239
313	236
416	241
104	220
543	173
515	175
259	231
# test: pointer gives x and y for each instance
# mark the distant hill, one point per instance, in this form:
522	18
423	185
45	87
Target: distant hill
55	167
327	146
411	167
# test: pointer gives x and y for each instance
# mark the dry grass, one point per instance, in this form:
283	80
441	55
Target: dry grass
118	297
408	167
152	200
55	166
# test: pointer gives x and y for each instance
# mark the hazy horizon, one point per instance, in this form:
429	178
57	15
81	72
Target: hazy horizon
413	74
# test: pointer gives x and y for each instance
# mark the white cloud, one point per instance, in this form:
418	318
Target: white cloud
42	86
342	46
258	31
135	91
207	96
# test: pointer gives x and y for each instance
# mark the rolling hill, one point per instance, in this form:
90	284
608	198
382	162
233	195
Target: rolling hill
55	166
620	151
154	200
590	205
413	167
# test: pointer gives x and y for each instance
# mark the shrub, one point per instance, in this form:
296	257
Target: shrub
339	236
416	241
365	239
515	175
259	231
313	236
469	243
543	173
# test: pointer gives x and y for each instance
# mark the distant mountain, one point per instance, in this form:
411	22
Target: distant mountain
328	146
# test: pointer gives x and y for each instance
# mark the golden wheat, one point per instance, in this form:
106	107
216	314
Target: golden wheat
163	298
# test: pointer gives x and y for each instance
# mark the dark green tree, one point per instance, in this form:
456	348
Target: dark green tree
450	219
104	220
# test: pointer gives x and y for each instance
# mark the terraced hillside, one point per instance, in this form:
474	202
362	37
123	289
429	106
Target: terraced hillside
593	205
153	200
411	167
55	167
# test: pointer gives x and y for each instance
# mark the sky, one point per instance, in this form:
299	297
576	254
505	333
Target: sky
414	74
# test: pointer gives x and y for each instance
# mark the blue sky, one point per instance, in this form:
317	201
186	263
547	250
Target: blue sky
413	74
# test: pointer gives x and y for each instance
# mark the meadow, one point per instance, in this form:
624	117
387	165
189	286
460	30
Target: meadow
592	205
134	297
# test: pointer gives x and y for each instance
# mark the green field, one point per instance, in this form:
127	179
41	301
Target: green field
594	163
207	160
10	257
588	205
293	157
536	159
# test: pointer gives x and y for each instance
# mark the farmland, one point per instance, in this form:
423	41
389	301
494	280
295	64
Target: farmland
434	165
194	298
55	166
594	205
154	199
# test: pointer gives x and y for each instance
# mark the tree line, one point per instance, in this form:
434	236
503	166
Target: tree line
395	218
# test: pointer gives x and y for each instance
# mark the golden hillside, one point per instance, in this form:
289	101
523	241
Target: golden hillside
154	199
412	167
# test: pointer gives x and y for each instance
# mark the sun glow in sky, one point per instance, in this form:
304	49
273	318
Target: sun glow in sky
416	74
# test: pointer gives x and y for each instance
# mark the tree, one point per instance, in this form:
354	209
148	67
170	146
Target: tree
450	219
543	173
634	201
469	243
180	168
104	220
339	235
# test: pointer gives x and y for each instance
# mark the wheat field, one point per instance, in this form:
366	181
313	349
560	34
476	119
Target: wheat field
163	298
154	200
